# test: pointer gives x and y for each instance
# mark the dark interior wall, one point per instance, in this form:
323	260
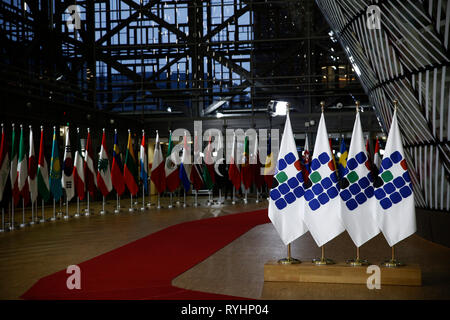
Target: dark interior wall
434	225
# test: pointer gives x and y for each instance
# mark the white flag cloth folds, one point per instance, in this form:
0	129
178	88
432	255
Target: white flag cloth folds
286	204
323	205
396	211
32	170
359	207
67	174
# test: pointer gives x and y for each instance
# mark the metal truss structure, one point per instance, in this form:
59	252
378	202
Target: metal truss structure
406	58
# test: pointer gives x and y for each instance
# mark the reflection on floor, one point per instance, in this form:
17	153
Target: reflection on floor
29	254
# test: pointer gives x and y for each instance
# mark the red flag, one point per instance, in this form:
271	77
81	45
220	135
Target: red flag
104	174
89	169
157	172
233	172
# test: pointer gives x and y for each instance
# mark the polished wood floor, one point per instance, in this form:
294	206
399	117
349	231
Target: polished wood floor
33	252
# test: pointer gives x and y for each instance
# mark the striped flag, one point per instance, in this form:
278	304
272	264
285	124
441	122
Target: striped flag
185	166
78	169
197	175
116	169
4	166
171	169
130	168
143	163
286	204
377	156
233	170
32	169
13	169
55	170
157	174
22	169
104	173
358	211
89	169
323	206
42	171
393	190
67	172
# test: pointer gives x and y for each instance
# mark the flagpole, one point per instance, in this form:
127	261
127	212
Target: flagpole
103	206
117	210
195	199
87	212
170	204
54	210
77	214
23	214
43	213
32	213
322	261
245	196
184	197
11	227
289	259
67	207
257	195
3	220
220	196
60	206
159	201
234	196
131	209
143	198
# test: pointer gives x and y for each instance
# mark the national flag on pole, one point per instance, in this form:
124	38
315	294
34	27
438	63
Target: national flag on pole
103	172
185	167
13	169
55	170
233	170
42	171
286	204
67	169
393	190
143	163
32	170
78	170
377	156
116	169
157	174
246	172
342	162
208	169
89	169
306	156
171	169
332	154
4	167
196	172
22	169
269	165
358	212
323	204
255	164
130	168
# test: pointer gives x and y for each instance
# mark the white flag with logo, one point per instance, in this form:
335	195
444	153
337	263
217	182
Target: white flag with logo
359	207
393	190
323	205
286	204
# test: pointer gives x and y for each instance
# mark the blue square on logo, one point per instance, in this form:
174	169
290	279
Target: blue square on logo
290	198
369	192
363	182
324	158
354	189
281	204
332	192
299	192
406	176
275	194
289	158
345	195
386	163
293	182
326	183
284	188
380	194
396	157
361	157
314	204
309	195
315	164
370	176
323	198
351	204
389	187
386	203
300	176
317	188
405	191
395	197
360	198
399	182
334	177
352	164
281	165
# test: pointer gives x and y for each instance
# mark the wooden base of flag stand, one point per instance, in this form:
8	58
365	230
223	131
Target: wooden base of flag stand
408	275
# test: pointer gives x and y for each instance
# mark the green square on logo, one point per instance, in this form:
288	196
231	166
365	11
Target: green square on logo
352	177
281	177
387	176
315	177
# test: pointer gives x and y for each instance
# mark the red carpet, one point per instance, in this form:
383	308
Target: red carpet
144	269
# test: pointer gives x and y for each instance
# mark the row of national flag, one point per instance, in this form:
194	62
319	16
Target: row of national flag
364	198
24	176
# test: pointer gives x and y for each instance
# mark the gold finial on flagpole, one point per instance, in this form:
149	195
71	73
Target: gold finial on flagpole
322	105
357	105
